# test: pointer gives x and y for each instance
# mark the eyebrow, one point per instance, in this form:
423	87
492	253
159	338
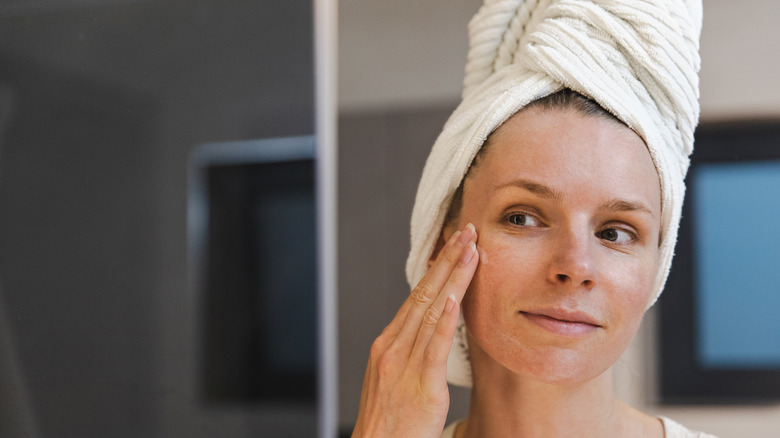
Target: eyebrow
618	205
540	190
543	191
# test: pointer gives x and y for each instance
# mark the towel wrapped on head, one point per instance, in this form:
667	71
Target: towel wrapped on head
639	59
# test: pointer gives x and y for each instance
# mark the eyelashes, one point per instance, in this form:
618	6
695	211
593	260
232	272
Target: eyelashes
523	220
611	234
617	235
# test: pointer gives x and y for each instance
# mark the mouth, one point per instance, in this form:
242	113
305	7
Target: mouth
561	322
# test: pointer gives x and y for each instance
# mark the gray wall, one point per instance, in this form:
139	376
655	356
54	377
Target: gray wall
101	103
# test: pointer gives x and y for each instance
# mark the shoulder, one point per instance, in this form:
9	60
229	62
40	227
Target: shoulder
449	431
673	429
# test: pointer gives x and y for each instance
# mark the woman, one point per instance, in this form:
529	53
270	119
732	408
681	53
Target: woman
547	217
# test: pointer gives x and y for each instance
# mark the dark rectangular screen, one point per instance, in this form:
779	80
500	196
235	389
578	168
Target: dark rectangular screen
720	334
260	301
737	268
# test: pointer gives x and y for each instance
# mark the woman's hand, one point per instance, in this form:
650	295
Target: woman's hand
405	387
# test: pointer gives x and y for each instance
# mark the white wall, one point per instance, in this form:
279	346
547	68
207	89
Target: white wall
410	54
740	59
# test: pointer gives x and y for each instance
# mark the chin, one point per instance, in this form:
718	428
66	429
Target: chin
564	368
551	364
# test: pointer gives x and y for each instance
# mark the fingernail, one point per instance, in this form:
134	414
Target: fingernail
450	304
468	253
468	234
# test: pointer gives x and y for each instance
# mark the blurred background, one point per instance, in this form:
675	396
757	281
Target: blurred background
102	103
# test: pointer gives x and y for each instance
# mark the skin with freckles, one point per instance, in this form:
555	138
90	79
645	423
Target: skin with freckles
568	208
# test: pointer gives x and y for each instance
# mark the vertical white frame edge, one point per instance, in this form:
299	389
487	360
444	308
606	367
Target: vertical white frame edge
325	110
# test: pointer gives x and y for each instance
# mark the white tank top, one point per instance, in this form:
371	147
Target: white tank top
672	429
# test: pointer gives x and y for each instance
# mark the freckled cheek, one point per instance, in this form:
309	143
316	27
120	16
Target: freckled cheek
632	287
510	270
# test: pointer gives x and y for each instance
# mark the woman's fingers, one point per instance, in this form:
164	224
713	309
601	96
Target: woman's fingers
426	301
416	296
435	353
453	290
405	389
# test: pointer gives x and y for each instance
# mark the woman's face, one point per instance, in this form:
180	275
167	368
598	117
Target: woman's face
567	208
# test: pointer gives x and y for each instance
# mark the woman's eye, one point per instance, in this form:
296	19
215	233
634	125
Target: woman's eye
523	220
615	235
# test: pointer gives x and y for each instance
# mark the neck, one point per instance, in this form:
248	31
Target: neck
505	404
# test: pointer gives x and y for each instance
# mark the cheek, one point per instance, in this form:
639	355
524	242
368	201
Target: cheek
506	273
630	294
636	280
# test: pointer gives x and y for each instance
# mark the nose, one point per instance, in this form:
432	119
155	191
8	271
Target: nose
572	262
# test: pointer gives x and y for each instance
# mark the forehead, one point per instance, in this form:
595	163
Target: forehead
571	153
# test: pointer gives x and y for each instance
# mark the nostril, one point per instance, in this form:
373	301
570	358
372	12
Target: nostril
562	278
587	283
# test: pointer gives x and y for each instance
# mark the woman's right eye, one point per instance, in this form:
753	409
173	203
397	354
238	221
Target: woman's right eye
523	220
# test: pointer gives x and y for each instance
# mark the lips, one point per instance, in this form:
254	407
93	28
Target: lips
569	323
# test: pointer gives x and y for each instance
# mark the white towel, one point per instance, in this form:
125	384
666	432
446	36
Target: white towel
639	59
